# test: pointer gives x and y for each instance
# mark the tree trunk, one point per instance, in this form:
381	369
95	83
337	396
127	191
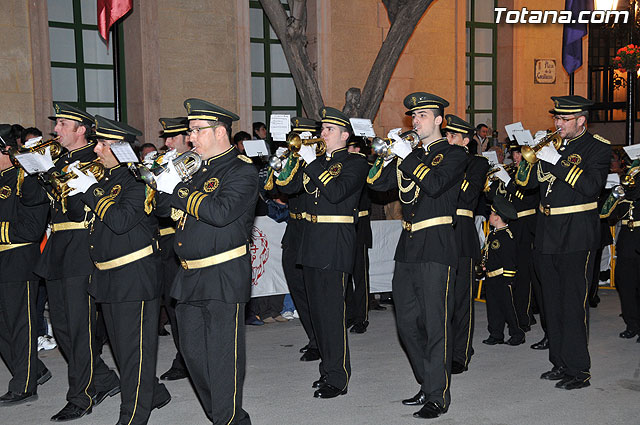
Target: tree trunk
291	32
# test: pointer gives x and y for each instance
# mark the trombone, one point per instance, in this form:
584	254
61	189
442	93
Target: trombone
382	147
529	152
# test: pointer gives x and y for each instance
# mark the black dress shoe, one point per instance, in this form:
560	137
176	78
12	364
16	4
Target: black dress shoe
457	368
163	332
543	344
359	328
310	355
173	374
638	340
305	348
526	328
594	301
328	391
70	412
516	340
555	374
320	382
430	410
44	376
161	403
627	334
417	400
11	398
573	383
101	395
493	341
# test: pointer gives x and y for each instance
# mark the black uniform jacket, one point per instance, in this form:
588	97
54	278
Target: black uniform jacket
502	255
574	182
66	253
363	228
466	234
429	181
293	233
217	207
332	187
627	211
121	227
19	224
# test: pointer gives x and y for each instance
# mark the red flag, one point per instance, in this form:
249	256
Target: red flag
109	11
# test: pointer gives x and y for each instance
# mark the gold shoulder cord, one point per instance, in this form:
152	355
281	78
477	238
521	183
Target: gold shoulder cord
306	179
408	188
543	177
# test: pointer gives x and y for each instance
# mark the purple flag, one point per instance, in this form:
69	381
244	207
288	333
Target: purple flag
572	35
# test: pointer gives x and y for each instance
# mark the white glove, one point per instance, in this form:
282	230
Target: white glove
82	182
47	161
308	153
503	175
168	156
549	154
387	162
394	134
305	135
149	158
401	148
32	142
280	151
167	181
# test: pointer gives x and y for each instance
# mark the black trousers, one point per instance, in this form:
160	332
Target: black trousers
133	333
463	317
168	271
18	334
537	291
73	318
501	308
424	301
325	289
565	282
213	346
295	281
522	288
357	293
628	284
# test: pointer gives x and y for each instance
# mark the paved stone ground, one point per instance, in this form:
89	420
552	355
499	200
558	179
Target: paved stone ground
501	387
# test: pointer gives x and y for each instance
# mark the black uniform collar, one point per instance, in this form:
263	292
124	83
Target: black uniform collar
584	130
111	170
436	144
506	226
223	154
7	170
81	149
337	152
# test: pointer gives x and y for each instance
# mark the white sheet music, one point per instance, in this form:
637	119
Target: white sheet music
613	179
123	152
492	156
255	148
279	126
33	162
362	127
633	151
510	128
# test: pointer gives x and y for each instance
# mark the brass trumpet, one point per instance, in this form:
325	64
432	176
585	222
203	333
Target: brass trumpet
509	168
56	149
186	164
59	180
529	153
294	143
382	147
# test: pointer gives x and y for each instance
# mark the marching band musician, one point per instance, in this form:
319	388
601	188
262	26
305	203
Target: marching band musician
123	240
459	133
291	247
567	233
174	133
66	266
215	212
21	229
627	273
429	179
332	186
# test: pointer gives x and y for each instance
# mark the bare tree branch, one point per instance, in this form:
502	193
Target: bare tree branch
408	15
291	31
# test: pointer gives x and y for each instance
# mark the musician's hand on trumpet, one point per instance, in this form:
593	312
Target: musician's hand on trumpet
502	174
82	182
167	181
308	153
400	147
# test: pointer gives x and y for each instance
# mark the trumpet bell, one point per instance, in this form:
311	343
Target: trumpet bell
295	142
55	148
618	192
529	152
276	162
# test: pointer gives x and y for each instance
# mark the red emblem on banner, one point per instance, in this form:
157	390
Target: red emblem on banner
259	254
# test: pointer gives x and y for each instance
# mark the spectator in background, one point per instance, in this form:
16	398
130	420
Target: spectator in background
259	131
30	133
239	138
147	148
482	138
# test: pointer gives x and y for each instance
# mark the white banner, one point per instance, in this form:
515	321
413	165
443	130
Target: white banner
266	256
